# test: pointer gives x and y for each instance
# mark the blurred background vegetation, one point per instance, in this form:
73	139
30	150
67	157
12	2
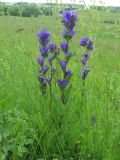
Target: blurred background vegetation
25	9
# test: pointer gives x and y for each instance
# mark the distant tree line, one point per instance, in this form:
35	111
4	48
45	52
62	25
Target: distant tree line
102	8
25	9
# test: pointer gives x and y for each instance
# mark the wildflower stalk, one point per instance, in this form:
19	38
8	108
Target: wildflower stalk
54	53
88	45
69	21
46	51
44	38
50	86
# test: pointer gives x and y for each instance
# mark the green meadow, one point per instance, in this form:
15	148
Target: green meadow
32	127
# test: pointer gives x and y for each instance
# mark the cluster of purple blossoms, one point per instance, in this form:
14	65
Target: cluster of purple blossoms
44	38
69	22
49	53
55	52
88	44
45	50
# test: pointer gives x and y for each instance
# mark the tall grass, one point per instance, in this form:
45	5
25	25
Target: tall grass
84	129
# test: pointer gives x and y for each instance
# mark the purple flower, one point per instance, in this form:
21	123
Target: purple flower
68	53
85	71
90	45
43	82
68	73
53	71
42	79
68	34
63	65
71	33
68	18
44	37
62	83
44	69
52	47
64	46
74	15
56	53
49	80
85	41
50	60
72	25
44	50
40	76
40	60
85	58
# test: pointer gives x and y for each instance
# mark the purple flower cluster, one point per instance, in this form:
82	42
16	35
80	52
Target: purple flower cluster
85	58
55	52
43	81
88	44
44	38
69	22
46	50
52	47
62	83
50	51
85	71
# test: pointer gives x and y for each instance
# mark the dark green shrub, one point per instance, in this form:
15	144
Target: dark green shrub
26	13
109	21
14	11
47	11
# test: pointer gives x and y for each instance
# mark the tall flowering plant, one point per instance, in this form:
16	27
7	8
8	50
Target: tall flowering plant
54	53
69	21
44	38
88	45
45	50
49	52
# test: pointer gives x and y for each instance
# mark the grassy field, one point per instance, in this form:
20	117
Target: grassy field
86	128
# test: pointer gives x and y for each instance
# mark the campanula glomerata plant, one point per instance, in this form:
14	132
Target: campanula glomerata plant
44	38
46	59
49	52
88	45
69	21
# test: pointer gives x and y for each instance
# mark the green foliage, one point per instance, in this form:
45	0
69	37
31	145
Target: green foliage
18	9
26	13
5	9
40	12
14	11
14	141
47	11
29	11
29	128
109	21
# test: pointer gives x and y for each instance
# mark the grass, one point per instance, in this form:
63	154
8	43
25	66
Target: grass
28	129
